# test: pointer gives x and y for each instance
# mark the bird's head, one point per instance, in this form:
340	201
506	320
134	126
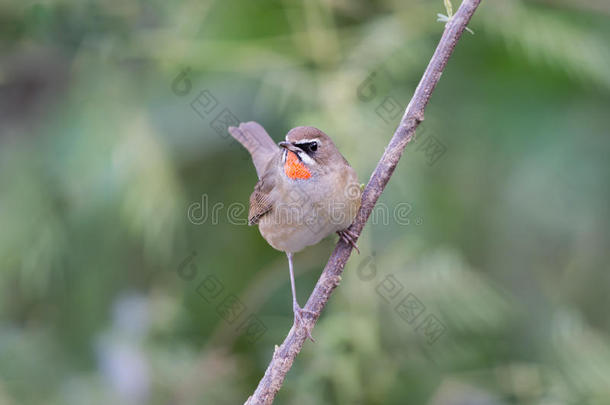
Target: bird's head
309	151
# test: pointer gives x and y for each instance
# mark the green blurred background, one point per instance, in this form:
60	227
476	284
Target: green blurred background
112	118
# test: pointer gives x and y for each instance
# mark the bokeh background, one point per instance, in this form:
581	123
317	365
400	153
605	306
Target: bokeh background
127	275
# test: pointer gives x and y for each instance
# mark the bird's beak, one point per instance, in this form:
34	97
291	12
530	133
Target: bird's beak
289	146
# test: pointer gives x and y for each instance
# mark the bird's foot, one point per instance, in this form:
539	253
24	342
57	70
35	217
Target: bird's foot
349	237
298	319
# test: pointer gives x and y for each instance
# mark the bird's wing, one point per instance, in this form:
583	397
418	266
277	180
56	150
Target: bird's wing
262	198
257	141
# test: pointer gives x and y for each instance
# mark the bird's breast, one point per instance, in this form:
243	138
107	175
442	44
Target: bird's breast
307	211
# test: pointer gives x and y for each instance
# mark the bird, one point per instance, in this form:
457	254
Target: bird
306	190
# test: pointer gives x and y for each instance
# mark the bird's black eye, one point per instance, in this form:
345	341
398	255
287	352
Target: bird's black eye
308	147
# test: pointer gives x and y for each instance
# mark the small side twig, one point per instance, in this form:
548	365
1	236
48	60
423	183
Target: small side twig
284	355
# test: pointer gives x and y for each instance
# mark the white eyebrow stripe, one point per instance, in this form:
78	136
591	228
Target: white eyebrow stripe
307	141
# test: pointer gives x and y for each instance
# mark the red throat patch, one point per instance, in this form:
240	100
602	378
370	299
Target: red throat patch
294	168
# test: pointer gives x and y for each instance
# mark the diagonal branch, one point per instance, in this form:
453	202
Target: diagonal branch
285	354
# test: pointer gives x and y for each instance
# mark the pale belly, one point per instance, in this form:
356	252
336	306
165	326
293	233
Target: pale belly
308	214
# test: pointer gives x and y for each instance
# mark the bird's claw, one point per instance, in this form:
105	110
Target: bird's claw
349	237
298	319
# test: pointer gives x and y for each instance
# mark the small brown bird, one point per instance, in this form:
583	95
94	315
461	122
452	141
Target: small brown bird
306	191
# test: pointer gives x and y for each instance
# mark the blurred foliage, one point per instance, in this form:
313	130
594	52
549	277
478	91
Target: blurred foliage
102	155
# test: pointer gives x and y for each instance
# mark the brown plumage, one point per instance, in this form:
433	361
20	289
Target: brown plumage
306	190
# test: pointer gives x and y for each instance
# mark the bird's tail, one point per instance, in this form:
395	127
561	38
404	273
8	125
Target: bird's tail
257	141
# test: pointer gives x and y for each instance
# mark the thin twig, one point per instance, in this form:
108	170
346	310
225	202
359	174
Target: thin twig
285	354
